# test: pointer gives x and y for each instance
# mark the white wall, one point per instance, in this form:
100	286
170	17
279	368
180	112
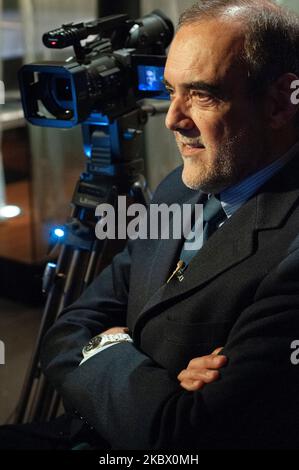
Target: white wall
291	4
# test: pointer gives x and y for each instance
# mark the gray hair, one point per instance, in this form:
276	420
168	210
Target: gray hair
271	33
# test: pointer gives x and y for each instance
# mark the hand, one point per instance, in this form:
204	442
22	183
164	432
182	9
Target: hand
115	330
201	371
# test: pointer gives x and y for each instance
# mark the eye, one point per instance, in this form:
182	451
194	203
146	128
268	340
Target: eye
170	90
202	96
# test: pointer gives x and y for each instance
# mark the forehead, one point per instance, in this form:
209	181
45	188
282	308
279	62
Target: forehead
208	50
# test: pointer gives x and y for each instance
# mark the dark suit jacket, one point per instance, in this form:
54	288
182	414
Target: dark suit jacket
241	291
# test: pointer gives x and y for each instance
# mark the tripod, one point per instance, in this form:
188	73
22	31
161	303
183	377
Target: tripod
113	169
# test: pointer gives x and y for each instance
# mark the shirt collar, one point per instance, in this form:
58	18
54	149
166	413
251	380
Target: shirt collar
235	196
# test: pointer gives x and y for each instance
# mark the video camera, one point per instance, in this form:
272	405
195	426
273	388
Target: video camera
122	64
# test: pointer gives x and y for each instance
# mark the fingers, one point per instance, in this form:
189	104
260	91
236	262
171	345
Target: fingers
192	386
207	376
192	380
217	351
202	370
204	375
211	361
196	380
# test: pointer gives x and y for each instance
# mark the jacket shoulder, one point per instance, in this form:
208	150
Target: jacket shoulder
172	189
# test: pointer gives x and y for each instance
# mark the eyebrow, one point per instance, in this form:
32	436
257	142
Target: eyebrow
200	85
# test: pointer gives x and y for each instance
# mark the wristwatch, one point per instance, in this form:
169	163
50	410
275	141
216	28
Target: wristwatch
101	340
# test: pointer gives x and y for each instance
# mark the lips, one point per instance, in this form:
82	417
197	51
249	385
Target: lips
191	150
194	146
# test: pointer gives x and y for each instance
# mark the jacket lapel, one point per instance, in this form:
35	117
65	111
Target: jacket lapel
168	251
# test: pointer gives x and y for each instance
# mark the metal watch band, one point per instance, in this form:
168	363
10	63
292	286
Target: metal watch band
102	340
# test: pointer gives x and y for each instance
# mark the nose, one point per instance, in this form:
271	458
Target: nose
178	117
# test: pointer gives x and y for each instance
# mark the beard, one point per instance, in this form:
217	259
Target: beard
215	169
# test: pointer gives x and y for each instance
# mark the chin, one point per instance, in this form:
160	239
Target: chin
200	182
191	180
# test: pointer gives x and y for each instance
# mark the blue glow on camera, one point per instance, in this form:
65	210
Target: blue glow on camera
59	232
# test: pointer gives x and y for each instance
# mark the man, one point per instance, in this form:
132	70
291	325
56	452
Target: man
229	72
151	82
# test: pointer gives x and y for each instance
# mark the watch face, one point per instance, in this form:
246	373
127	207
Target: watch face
93	343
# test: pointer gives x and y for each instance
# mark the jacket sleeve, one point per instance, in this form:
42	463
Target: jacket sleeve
134	404
102	306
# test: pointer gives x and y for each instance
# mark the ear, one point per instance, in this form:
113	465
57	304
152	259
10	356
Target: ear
281	105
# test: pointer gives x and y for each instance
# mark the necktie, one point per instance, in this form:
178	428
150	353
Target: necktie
213	215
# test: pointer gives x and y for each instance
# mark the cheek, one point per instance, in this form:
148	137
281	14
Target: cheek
213	130
216	124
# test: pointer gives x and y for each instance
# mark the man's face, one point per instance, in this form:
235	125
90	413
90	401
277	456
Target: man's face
220	131
150	78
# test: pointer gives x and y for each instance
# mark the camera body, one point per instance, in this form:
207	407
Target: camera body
109	75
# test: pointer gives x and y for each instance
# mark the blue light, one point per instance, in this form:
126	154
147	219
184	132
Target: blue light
97	119
87	150
59	232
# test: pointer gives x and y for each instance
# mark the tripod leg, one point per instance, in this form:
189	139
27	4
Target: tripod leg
65	289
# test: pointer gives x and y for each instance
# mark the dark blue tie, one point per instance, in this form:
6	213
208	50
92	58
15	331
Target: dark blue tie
213	216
